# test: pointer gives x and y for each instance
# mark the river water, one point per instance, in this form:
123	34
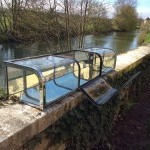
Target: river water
119	41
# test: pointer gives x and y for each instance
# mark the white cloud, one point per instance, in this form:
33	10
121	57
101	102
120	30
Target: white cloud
144	12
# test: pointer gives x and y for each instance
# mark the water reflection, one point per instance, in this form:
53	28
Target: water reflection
121	42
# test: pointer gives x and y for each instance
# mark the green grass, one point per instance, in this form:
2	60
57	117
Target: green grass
147	39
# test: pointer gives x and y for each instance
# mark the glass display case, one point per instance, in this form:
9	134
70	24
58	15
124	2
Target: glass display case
43	80
108	58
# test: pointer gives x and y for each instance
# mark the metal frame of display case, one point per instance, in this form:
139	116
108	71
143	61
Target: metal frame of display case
42	80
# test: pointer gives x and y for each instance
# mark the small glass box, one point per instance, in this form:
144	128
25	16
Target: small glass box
108	58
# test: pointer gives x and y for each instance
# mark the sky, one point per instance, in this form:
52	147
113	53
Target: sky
144	8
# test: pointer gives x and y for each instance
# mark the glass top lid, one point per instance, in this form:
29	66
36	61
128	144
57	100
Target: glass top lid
101	51
43	62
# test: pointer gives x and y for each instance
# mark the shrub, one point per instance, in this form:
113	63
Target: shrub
3	95
141	38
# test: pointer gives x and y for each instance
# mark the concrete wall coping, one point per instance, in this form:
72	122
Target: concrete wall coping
20	122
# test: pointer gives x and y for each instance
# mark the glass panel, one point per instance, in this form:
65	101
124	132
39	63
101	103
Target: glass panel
108	62
54	91
15	80
31	95
63	81
64	76
108	56
31	92
42	63
89	64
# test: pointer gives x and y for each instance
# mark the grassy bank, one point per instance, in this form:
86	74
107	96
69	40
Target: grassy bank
147	38
144	37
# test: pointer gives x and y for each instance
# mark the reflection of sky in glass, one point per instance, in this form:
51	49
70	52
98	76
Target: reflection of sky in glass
44	62
101	51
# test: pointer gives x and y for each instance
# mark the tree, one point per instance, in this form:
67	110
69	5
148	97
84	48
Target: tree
75	13
52	19
126	16
98	14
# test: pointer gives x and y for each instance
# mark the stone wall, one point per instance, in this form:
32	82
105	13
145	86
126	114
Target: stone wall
86	126
74	122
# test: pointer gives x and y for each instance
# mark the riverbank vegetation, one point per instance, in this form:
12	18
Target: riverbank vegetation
126	17
144	37
7	100
3	95
23	20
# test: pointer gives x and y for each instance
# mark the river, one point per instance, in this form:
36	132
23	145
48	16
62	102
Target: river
121	42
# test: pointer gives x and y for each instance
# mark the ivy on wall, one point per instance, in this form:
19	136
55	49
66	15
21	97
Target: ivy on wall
88	126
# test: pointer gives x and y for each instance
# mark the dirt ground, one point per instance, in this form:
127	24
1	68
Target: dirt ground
133	132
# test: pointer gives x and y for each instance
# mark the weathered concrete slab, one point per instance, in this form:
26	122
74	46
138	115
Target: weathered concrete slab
19	122
131	59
